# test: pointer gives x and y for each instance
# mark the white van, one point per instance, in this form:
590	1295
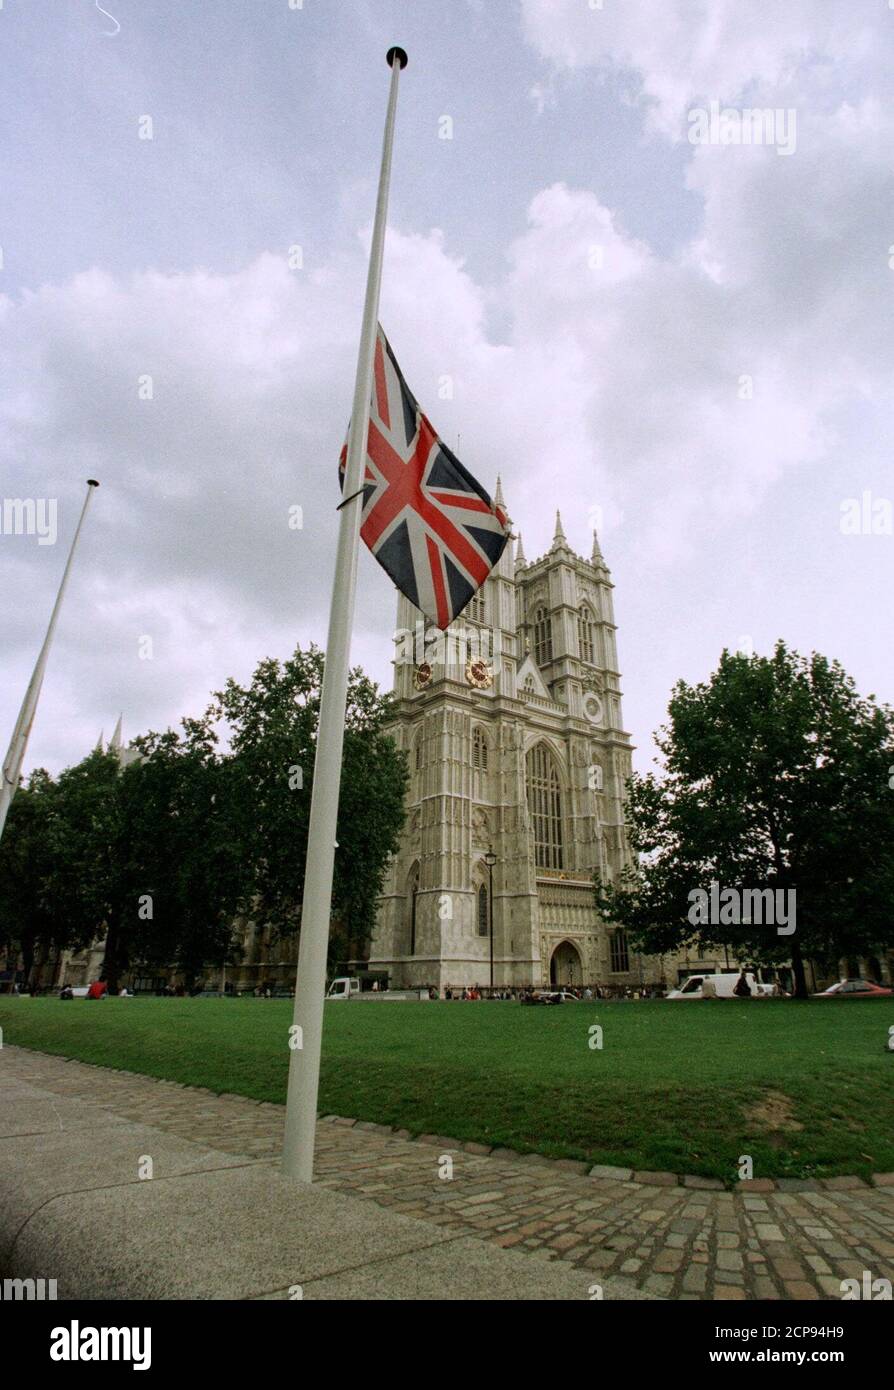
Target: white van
724	986
344	988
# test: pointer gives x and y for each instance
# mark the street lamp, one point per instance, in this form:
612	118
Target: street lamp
490	860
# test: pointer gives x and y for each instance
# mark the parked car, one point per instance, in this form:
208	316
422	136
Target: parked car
855	989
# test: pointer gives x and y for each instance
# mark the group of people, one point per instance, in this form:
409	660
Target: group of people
97	990
515	993
473	992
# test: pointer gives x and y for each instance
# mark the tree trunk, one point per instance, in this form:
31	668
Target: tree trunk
114	961
801	991
27	945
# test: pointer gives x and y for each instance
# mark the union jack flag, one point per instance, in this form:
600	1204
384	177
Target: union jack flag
428	522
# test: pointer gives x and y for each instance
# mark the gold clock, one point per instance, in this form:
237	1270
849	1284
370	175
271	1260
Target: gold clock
479	674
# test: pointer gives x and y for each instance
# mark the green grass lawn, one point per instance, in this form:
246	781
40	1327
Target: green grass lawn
807	1089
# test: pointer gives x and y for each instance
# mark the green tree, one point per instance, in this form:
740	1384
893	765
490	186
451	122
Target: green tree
88	884
163	855
28	912
776	775
272	724
182	863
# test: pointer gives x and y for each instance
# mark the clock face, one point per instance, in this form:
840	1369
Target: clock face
422	676
479	674
593	708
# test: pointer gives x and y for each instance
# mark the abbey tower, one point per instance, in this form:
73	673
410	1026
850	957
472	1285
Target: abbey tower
516	745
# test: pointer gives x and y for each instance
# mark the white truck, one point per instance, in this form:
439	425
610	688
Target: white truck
724	986
346	987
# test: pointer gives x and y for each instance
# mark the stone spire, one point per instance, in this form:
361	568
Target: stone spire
498	495
98	748
597	559
560	540
520	558
115	744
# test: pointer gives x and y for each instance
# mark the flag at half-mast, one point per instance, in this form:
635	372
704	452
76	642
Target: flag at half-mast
427	521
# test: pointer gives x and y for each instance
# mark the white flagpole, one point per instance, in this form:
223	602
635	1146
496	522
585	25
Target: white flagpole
306	1034
12	767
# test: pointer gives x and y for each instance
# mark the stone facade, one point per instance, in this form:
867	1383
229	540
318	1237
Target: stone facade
524	755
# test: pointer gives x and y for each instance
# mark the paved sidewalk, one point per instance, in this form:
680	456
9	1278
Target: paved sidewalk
666	1239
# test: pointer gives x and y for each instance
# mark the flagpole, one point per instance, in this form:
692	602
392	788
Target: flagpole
12	767
306	1034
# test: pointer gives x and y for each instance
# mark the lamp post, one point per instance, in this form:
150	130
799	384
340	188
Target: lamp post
490	860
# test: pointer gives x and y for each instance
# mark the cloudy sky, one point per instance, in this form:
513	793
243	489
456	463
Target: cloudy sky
647	321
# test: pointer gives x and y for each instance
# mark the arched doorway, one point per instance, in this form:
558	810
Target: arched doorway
565	967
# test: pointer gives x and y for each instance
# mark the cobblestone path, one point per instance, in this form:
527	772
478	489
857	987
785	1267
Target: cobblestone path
672	1238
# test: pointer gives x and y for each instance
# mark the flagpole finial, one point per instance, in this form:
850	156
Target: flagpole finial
91	482
397	54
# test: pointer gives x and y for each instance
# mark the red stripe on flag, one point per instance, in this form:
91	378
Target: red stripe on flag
454	540
437	576
462	499
404	490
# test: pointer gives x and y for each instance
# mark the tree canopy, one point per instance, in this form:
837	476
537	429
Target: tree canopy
208	825
776	775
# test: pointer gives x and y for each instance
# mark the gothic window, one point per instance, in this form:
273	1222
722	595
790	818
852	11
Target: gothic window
545	807
543	637
482	911
479	750
586	634
529	683
412	898
620	955
476	608
417	752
